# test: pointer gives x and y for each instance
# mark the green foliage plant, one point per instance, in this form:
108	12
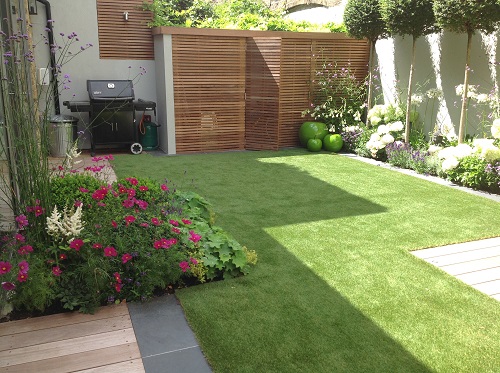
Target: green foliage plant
362	19
467	16
408	17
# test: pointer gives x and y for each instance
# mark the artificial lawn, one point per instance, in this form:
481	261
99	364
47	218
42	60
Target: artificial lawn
335	288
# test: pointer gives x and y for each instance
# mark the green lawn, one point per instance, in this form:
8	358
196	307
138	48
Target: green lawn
335	288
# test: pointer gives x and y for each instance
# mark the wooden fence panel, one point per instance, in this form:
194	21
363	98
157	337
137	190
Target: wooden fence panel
209	93
262	93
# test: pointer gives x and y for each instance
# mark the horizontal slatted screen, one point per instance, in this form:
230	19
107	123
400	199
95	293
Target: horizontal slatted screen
122	39
294	90
262	93
209	93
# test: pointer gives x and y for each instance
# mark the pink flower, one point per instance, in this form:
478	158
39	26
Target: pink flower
126	258
78	203
194	237
114	224
22	277
164	187
122	189
143	188
157	244
22	221
83	190
102	204
184	266
110	251
63	256
156	221
144	225
97	159
131	192
56	271
39	211
128	203
109	157
5	267
99	194
186	221
24	267
129	219
117	277
76	244
194	261
176	230
24	250
8	286
118	287
19	237
174	222
132	180
97	246
143	205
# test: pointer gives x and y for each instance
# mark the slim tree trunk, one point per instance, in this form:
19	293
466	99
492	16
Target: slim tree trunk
408	98
370	77
463	114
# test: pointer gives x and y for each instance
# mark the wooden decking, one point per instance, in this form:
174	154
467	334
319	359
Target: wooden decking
475	263
71	342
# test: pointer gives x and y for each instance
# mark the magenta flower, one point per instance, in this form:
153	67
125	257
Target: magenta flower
157	244
143	205
114	224
19	237
194	261
109	157
131	192
118	287
99	194
22	221
122	189
83	190
63	256
39	210
186	221
184	266
22	277
176	230
78	203
129	219
164	187
126	257
76	244
102	204
97	246
128	203
56	271
5	267
143	188
156	221
194	237
110	251
144	225
24	267
132	180
8	286
174	222
24	250
117	277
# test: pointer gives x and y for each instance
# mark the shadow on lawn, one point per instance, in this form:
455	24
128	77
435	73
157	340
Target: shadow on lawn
285	317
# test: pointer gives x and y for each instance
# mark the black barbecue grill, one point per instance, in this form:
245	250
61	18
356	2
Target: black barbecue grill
112	112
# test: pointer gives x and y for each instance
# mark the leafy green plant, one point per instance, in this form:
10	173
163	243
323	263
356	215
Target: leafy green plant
472	172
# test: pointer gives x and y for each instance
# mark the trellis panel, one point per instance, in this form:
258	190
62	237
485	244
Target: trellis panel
209	93
122	39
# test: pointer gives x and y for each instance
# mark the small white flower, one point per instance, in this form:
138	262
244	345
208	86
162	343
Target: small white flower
396	126
482	98
416	99
383	129
449	164
434	93
471	90
495	129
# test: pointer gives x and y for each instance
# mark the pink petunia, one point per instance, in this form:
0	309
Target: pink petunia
129	219
5	267
97	246
110	251
24	266
156	221
157	244
76	244
186	221
131	192
194	237
24	250
22	277
99	194
143	188
174	222
56	271
8	286
132	180
184	266
164	187
126	257
176	230
122	189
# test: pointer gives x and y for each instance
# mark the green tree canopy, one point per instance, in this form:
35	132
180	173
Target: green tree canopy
408	17
362	19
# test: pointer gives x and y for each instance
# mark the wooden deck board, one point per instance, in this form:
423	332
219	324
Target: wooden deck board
103	342
475	263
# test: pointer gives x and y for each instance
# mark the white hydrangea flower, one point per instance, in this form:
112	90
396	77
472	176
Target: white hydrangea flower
375	137
463	150
434	148
396	126
375	120
446	152
495	128
387	139
382	129
449	164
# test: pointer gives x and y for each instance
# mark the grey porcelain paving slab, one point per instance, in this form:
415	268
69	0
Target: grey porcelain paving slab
164	336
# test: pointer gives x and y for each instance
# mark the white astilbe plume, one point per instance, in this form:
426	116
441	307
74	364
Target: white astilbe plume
71	156
54	226
72	225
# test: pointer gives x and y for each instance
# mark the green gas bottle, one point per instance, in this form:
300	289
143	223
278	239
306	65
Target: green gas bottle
148	133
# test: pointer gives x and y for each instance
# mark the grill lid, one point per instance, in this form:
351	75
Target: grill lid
101	90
